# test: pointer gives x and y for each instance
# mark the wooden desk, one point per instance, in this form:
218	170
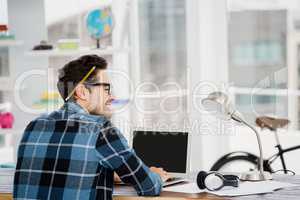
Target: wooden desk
164	196
284	194
6	196
174	196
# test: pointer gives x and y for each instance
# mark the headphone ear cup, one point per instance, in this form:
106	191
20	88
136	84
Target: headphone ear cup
200	179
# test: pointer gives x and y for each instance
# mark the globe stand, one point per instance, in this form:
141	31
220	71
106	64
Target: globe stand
98	43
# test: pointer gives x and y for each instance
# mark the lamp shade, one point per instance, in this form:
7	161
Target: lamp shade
218	103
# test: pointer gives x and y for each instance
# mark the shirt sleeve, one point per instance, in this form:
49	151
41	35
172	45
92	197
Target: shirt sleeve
115	154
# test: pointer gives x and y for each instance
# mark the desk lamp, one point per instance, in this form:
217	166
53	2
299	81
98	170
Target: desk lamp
219	103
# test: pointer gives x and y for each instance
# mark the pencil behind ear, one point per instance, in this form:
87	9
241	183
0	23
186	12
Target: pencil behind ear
81	92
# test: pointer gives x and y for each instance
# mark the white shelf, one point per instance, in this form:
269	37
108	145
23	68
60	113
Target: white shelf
8	43
8	131
162	94
79	52
264	91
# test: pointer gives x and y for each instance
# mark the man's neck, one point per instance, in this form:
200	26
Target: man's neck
83	105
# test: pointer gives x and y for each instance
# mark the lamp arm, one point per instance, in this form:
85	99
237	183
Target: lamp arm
261	167
220	100
236	116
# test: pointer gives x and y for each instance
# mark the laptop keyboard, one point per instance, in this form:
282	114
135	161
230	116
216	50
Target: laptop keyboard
173	181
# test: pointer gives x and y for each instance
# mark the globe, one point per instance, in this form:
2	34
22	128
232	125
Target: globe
100	23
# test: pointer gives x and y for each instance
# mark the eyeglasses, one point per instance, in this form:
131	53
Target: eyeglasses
107	86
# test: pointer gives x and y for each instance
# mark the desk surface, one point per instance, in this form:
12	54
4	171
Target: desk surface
284	194
175	196
164	196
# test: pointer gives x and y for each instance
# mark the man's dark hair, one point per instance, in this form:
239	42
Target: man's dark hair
74	71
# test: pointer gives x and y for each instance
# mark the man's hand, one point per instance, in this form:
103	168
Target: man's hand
161	172
117	178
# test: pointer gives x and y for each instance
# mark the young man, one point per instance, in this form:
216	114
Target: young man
73	152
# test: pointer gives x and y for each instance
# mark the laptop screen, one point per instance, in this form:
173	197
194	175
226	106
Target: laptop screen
162	149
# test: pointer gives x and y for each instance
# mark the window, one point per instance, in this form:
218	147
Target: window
163	75
261	42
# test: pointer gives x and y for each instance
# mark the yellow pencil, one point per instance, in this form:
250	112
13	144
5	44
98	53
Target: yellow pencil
84	79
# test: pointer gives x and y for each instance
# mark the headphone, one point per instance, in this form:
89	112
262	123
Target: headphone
214	181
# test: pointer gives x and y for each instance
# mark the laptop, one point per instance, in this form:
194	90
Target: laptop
169	150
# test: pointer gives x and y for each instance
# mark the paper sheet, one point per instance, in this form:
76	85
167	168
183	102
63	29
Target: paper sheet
124	191
190	188
6	188
245	188
6	180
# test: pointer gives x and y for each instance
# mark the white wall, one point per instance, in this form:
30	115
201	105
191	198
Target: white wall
56	10
28	26
263	4
3	11
245	140
207	61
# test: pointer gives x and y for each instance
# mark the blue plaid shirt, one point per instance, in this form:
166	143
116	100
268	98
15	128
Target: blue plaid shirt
70	154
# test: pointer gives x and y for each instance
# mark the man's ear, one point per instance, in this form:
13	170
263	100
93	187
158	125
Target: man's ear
81	92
